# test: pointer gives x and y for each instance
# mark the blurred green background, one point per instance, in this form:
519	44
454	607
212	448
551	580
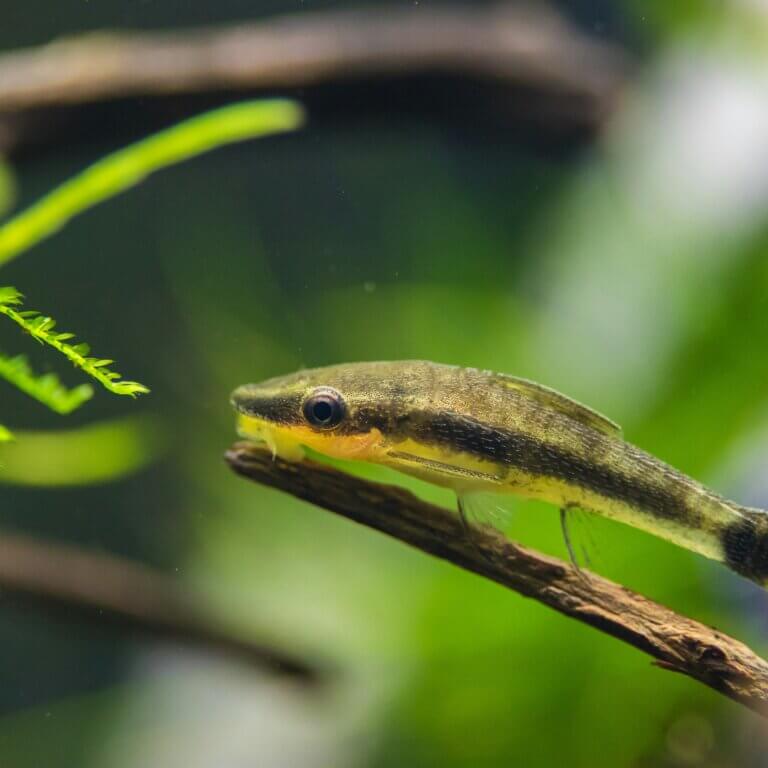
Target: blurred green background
628	270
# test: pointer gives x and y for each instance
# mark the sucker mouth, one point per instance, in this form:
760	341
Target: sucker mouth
256	431
260	431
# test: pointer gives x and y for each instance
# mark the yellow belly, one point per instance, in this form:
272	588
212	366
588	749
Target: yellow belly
465	473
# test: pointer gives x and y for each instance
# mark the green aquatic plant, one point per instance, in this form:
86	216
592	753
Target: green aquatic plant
127	167
46	388
103	180
43	329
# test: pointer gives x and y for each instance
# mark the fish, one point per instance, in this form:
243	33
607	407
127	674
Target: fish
477	431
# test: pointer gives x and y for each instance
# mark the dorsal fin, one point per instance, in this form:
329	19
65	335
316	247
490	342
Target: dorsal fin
550	398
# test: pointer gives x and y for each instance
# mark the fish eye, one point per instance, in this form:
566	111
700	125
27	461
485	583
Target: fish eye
324	408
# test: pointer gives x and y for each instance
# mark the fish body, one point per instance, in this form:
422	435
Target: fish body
473	430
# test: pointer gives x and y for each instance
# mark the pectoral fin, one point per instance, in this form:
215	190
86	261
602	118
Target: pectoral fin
426	466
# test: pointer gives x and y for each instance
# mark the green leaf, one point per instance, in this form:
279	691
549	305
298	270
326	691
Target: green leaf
10	296
127	167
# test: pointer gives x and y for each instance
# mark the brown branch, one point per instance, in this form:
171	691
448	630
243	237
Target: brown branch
510	42
513	45
676	642
131	596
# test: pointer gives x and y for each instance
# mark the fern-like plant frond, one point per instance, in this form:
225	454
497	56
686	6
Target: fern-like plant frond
46	388
43	329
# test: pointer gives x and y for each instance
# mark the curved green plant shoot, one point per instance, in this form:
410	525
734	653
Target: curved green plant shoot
127	167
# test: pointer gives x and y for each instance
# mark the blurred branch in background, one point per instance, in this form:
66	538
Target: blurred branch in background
131	596
538	65
676	642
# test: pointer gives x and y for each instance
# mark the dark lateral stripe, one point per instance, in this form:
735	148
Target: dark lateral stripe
281	410
745	543
501	446
520	451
